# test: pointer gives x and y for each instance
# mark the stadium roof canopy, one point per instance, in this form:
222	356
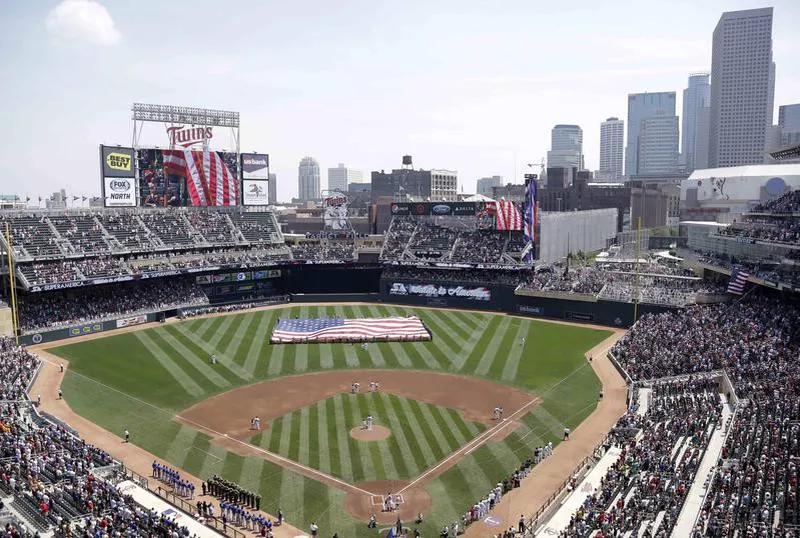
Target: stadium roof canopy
788	152
478	198
780	170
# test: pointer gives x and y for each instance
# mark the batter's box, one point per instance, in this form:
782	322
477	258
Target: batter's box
378	500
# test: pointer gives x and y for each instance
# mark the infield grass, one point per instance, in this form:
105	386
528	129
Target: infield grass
139	381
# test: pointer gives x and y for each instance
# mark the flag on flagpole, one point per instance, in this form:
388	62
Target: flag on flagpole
737	281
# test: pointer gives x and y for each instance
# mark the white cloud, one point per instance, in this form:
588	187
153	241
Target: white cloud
82	21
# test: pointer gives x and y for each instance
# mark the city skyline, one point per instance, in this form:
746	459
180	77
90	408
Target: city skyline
485	108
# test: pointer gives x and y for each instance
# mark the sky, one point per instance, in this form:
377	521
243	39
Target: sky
468	85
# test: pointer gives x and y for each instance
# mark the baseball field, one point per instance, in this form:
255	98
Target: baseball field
436	445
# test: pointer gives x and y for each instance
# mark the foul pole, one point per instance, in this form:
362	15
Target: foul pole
12	282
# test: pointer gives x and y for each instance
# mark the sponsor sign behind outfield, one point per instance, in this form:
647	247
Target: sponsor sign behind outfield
127	322
117	161
255	192
119	192
437	290
255	166
437	209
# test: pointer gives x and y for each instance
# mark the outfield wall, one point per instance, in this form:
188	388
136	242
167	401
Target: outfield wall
500	298
89	328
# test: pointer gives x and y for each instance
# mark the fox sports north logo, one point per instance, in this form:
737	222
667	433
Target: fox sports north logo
120	185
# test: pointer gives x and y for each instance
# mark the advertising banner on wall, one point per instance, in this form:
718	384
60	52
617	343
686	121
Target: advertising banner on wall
442	209
255	192
255	166
438	290
119	192
117	161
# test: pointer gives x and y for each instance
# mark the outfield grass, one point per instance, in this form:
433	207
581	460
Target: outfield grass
140	380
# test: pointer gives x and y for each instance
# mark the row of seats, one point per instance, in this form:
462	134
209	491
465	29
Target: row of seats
40	235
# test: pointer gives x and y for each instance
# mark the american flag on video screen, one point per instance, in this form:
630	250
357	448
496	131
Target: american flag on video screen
305	329
208	179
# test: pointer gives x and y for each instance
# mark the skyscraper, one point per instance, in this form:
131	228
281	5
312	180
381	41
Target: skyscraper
272	189
642	106
341	176
696	111
789	123
742	87
566	146
612	140
658	146
308	187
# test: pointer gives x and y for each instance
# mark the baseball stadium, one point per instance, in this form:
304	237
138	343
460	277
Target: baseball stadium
190	358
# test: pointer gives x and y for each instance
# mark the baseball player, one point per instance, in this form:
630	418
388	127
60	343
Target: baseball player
257	423
213	359
369	422
127	436
522	342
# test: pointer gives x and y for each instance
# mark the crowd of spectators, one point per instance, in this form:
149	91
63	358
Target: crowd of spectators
452	239
93	232
754	489
475	276
329	250
661	450
88	305
656	290
786	203
53	476
581	279
762	228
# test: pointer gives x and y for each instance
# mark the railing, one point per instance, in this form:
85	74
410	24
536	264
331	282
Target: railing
169	496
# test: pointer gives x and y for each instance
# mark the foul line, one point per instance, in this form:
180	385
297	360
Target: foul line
288	462
467	448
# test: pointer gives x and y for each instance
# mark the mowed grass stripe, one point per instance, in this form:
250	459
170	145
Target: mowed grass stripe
354	462
275	357
221	330
458	328
399	435
200	327
494	348
516	352
323	452
446	422
302	440
428	449
445	438
210	327
223	359
237	345
469	362
244	337
183	379
381	415
334	451
260	339
390	456
197	362
179	448
442	334
326	356
275	435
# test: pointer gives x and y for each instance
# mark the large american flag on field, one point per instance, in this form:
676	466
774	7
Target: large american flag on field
208	179
328	329
508	216
737	281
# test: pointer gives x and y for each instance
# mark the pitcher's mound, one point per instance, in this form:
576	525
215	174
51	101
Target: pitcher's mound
375	434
